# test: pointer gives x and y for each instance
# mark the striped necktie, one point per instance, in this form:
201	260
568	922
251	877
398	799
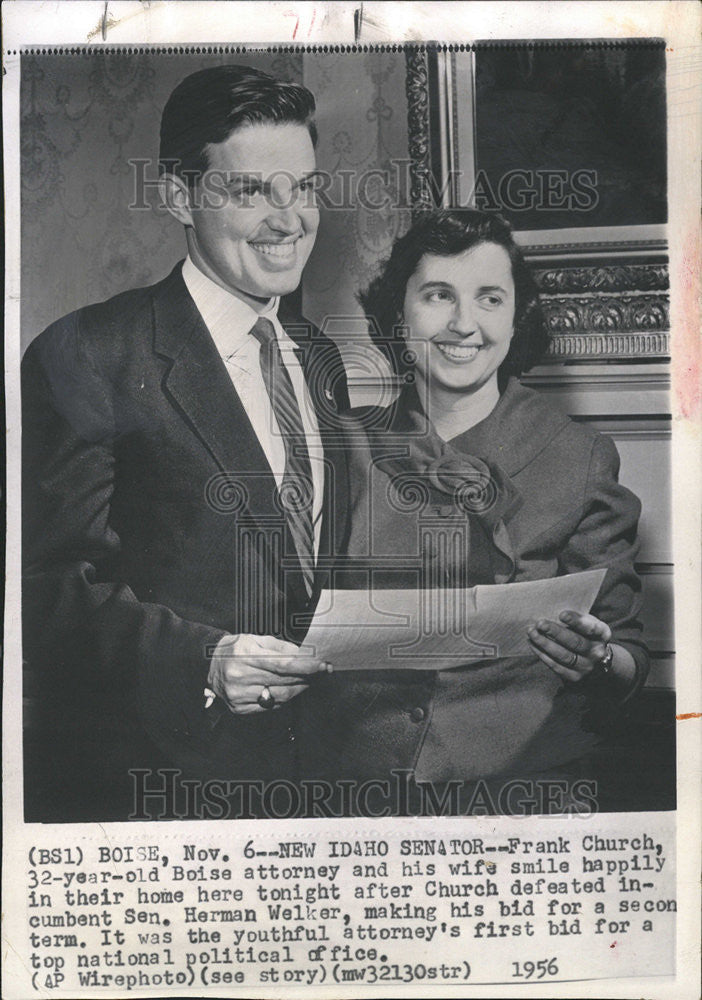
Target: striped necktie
296	492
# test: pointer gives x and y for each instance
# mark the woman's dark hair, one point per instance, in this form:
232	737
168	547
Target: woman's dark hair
447	233
208	105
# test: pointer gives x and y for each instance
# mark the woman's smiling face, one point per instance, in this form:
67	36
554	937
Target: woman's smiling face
460	315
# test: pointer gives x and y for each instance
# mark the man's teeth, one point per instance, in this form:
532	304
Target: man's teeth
459	352
275	249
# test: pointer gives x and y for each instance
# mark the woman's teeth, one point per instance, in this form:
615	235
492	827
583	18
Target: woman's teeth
459	352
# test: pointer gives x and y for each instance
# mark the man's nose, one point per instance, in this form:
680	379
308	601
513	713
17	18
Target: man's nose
283	221
283	204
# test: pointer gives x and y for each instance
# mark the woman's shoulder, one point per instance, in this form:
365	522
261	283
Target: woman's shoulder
531	412
527	429
579	438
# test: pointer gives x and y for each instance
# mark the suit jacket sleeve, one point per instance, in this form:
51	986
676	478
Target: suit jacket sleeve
606	537
81	624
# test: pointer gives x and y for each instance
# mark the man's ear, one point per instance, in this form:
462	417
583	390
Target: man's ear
175	195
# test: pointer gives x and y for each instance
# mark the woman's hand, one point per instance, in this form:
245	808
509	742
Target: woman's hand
571	647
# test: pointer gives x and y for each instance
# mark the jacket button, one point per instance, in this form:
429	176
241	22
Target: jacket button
417	714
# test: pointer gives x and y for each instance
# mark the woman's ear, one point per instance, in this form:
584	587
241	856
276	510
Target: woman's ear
175	195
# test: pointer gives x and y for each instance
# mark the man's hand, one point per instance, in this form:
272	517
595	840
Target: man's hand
243	665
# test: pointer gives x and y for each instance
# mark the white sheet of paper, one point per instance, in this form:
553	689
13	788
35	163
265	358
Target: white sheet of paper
440	629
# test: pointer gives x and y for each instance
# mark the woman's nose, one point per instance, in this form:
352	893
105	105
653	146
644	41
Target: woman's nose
463	320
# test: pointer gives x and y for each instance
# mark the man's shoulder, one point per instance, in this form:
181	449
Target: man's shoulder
108	326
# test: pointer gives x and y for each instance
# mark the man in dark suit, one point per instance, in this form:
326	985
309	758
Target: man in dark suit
182	486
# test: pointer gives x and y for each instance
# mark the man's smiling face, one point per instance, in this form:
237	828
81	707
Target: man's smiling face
257	243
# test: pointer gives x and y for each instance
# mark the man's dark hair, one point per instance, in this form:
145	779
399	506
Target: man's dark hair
208	105
447	233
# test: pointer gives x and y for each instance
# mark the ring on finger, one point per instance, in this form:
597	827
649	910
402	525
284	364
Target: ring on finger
266	699
572	661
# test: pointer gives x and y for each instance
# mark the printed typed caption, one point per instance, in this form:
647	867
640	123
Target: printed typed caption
479	906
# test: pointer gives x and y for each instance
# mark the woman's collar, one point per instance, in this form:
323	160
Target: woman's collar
518	429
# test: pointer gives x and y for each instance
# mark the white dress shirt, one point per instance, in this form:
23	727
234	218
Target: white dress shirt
230	321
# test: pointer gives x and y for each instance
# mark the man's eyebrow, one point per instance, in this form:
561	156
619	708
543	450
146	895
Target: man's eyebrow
243	177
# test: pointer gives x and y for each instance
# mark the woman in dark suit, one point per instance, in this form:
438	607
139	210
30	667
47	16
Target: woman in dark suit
471	478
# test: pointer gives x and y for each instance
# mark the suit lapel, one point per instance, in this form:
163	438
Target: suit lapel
200	388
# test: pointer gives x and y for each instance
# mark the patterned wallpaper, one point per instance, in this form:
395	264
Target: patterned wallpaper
85	116
363	131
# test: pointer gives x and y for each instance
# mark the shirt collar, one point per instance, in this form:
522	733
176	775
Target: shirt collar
227	317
